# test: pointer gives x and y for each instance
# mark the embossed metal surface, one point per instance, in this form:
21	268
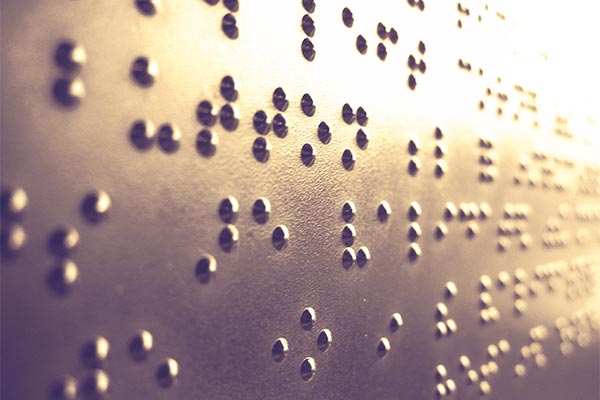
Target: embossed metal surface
293	200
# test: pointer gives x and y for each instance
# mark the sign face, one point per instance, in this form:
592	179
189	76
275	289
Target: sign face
299	199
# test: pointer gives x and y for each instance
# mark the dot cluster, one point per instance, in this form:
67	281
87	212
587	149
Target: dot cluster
69	89
308	26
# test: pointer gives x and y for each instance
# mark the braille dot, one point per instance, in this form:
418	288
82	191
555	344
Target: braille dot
95	352
440	372
440	150
520	370
324	340
441	230
229	26
421	47
464	363
485	283
307	105
205	113
393	34
324	133
452	326
229	209
167	372
383	347
308	318
472	229
69	92
70	55
231	5
308	368
308	25
142	134
472	376
440	168
362	257
261	210
348	159
485	300
450	211
206	143
414	165
361	44
169	137
362	139
504	346
261	149
503	279
484	370
63	240
422	66
348	211
348	235
14	202
347	17
438	133
451	386
382	31
451	289
63	276
140	345
414	211
206	268
280	99
361	116
96	384
309	5
95	205
261	122
148	7
280	349
66	388
411	62
520	306
308	49
348	114
279	126
229	238
441	311
144	71
540	360
493	351
384	210
396	322
414	231
348	258
484	388
440	391
412	82
229	117
280	237
484	316
308	154
414	252
441	329
381	51
227	89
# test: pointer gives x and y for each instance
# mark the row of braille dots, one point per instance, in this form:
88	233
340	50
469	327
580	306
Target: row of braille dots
581	279
308	26
261	148
362	136
384	345
532	351
514	224
445	326
228	23
348	235
96	383
415	66
466	212
578	329
414	231
308	366
487	160
14	237
553	236
69	89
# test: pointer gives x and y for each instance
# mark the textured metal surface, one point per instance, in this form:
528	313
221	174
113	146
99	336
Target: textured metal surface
291	200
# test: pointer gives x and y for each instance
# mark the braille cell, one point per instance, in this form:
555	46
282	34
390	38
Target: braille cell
348	159
142	134
206	268
229	117
69	92
205	113
308	49
95	352
308	318
414	211
348	211
308	154
229	26
14	202
280	237
308	25
348	115
381	51
280	349
169	137
308	368
95	205
63	240
228	89
144	71
229	238
347	17
63	276
361	116
348	258
261	122
96	384
148	7
140	345
396	322
383	347
70	55
384	210
324	340
361	44
363	256
307	105
280	126
167	372
206	143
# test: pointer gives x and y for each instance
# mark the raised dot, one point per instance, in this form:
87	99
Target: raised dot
228	89
348	211
361	116
324	133
503	279
383	347
63	276
167	372
205	113
347	17
472	376
414	252
206	143
484	370
63	240
361	44
440	168
520	306
348	159
141	344
348	258
452	326
362	139
440	150
96	384
451	289
464	363
307	105
348	115
148	7
261	149
69	92
414	211
414	231
412	82
280	349
229	238
308	154
414	165
504	346
493	351
70	55
451	386
169	137
440	391
229	26
485	283
261	210
381	51
308	368
308	49
206	268
308	25
441	230
280	237
229	117
261	122
95	205
485	300
520	370
308	318
142	134
280	126
472	229
440	372
441	311
144	71
396	322
413	146
441	329
65	388
324	340
231	5
280	99
95	352
14	202
540	360
309	5
450	211
384	210
363	256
